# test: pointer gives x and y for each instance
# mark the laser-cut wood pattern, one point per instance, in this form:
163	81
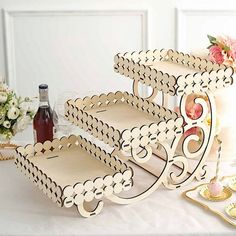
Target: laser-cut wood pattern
72	170
7	151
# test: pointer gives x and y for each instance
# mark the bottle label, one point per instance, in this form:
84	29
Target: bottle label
35	135
54	130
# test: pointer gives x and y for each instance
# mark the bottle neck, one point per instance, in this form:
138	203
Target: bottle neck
43	98
44	104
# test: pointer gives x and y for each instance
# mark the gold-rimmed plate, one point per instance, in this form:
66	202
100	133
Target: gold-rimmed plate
232	184
231	210
204	192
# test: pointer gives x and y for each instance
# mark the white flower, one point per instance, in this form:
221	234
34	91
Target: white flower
21	124
24	107
13	102
3	86
14	108
3	97
13	113
7	124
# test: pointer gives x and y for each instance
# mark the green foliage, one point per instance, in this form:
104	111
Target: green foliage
226	48
211	39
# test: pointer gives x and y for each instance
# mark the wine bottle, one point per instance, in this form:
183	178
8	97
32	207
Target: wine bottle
43	119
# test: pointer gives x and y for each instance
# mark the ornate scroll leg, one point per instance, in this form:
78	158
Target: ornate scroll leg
173	180
169	153
138	157
85	213
204	147
199	172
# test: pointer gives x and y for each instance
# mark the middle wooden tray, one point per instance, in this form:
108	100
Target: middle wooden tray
125	121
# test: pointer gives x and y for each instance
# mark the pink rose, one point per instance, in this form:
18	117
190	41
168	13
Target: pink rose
192	131
216	54
231	44
232	53
193	110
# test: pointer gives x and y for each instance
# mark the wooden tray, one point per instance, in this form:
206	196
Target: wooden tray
124	121
217	207
7	151
173	72
71	171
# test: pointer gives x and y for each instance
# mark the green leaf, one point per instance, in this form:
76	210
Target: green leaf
226	48
211	38
214	42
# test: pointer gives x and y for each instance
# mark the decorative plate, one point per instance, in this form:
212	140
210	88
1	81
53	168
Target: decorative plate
231	210
232	184
204	192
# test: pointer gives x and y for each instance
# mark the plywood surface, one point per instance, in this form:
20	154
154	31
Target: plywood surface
70	166
172	68
122	116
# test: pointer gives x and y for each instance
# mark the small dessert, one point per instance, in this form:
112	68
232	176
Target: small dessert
215	188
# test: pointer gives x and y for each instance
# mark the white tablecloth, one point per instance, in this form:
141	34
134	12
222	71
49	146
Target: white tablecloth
25	210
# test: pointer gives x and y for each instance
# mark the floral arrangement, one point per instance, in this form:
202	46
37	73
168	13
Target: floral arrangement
15	113
222	50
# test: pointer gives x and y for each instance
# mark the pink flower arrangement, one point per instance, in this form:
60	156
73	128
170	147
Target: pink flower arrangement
216	54
222	50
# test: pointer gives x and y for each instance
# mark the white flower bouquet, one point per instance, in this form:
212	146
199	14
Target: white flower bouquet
15	113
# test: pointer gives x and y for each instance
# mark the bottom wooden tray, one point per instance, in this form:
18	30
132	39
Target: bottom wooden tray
71	171
219	206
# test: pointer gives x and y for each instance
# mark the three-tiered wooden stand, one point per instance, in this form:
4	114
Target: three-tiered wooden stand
137	128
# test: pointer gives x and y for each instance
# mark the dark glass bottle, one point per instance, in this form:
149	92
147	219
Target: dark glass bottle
43	119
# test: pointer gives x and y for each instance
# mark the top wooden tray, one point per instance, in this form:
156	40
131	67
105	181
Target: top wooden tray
125	121
173	72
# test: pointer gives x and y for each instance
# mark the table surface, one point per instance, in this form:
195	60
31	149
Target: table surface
24	209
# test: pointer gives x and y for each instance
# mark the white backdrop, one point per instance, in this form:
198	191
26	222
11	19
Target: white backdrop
70	44
196	19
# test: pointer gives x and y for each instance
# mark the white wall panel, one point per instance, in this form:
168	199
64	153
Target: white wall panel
70	50
194	24
70	44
